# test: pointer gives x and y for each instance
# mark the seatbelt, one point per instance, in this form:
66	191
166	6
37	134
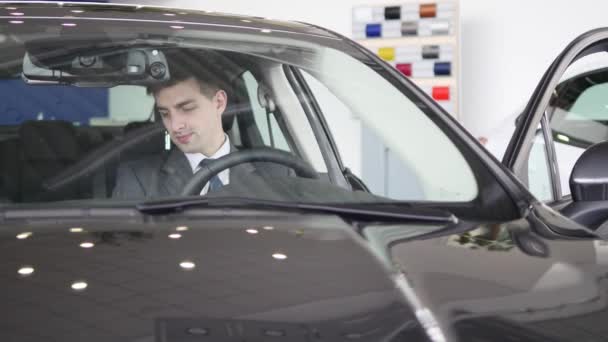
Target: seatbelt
266	101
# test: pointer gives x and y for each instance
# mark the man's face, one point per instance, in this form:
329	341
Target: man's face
193	120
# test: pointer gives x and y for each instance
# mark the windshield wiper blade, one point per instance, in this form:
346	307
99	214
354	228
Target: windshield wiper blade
363	211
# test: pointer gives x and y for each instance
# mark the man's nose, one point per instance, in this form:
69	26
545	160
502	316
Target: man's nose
177	123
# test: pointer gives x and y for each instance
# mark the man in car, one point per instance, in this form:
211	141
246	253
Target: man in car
190	106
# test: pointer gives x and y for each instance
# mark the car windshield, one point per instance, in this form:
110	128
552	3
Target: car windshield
98	108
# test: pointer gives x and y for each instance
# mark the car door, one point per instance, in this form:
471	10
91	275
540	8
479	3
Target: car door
567	113
539	278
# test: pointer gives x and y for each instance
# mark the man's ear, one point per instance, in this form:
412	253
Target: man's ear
221	100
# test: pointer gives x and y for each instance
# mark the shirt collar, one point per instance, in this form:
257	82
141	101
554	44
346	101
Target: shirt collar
195	158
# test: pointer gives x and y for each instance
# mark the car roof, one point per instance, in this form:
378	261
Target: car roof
158	14
94	18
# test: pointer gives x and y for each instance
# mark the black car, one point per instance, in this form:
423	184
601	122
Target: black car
105	236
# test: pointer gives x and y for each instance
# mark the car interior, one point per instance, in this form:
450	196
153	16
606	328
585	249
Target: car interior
578	121
58	156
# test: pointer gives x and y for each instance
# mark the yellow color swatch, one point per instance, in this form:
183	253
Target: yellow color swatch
387	53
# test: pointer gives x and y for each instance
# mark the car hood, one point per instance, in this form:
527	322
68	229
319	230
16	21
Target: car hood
293	276
503	281
173	279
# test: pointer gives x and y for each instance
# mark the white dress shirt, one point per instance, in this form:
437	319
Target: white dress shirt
195	159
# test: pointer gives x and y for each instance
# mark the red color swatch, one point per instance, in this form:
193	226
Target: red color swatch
441	93
405	68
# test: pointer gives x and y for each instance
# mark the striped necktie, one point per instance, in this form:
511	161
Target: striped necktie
215	182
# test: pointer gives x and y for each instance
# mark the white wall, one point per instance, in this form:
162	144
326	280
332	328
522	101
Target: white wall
506	47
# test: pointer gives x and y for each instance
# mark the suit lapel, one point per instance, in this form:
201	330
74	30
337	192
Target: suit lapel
175	172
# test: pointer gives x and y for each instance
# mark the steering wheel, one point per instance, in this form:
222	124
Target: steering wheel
302	168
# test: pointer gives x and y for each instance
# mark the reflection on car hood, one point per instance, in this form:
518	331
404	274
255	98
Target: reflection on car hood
233	278
286	276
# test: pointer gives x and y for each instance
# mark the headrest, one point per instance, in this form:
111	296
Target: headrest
49	140
589	178
134	125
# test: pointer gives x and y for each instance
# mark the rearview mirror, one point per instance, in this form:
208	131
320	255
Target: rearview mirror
141	66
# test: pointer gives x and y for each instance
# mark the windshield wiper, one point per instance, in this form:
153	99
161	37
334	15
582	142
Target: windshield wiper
360	211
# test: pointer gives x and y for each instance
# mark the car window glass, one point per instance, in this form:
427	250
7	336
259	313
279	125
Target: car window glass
578	112
539	178
415	176
266	121
100	142
345	127
79	106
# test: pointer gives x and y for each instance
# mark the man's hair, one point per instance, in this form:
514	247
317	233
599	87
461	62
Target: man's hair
184	65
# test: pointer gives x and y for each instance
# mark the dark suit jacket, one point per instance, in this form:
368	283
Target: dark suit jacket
165	175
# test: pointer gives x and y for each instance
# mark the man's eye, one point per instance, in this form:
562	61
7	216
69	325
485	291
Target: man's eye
189	108
163	114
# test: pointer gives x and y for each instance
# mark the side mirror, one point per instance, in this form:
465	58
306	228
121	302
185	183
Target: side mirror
589	187
589	178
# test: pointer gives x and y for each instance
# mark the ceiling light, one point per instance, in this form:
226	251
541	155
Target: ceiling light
353	336
177	27
268	228
187	265
77	11
246	20
76	230
252	231
11	8
24	235
68	24
169	14
562	137
265	31
16	13
87	244
198	331
274	333
175	236
16	21
279	256
79	285
181	228
26	270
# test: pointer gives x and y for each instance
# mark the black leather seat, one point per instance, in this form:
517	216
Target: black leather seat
42	150
10	189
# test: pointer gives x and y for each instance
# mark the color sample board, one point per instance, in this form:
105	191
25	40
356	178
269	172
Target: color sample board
420	39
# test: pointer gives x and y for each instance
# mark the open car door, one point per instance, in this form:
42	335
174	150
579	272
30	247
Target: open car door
558	149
